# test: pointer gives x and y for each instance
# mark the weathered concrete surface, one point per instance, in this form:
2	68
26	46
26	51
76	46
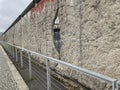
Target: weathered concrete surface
90	35
101	36
10	79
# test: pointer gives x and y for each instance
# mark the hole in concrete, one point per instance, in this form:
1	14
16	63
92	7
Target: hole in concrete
56	32
56	36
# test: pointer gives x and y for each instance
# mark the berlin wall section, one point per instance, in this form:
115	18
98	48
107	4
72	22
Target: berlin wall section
89	36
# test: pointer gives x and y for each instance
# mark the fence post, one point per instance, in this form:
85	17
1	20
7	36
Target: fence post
114	85
118	85
48	74
13	52
16	55
30	67
21	58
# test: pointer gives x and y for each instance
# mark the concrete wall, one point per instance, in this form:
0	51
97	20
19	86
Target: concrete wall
89	30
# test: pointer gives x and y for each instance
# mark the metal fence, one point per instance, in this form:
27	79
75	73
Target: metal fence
114	82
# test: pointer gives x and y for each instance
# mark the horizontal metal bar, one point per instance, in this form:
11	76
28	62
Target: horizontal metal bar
80	69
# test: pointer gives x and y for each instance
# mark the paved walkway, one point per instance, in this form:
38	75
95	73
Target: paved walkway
9	76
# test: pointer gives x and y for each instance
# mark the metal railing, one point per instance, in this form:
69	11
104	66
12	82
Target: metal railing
115	83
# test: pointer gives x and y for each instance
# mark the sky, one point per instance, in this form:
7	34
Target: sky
10	10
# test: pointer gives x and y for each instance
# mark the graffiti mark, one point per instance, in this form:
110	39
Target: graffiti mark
39	7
